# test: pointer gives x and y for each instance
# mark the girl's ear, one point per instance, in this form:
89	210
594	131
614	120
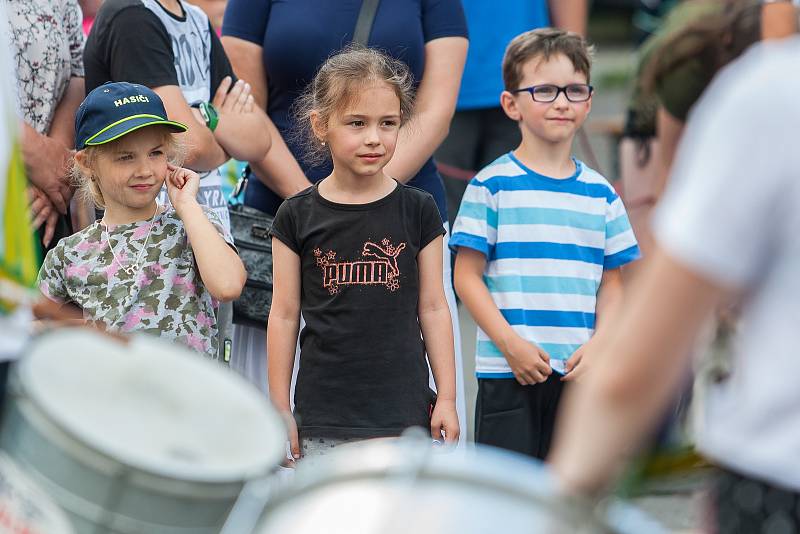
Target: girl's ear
82	161
509	105
320	130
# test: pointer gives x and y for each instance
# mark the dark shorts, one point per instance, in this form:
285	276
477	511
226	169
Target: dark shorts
743	505
477	137
515	417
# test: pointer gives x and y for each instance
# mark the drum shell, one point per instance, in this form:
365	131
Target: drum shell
398	487
100	493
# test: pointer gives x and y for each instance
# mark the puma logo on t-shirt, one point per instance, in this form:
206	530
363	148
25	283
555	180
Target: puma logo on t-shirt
381	271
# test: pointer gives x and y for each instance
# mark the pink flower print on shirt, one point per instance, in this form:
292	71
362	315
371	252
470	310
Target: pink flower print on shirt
204	321
143	280
134	318
184	281
157	269
141	231
111	270
90	246
115	266
78	271
196	342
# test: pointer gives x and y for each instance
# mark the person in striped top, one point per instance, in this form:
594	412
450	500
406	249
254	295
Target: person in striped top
540	239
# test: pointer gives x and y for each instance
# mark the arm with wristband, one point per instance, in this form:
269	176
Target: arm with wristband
240	127
237	124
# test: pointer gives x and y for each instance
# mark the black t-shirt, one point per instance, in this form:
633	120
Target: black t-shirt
139	41
363	371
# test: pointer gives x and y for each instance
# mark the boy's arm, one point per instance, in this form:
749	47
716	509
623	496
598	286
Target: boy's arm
529	363
437	331
609	299
219	265
282	328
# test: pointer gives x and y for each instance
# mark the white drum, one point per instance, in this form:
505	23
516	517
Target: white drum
24	507
401	486
143	437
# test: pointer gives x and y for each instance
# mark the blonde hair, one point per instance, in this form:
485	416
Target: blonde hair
545	43
86	186
337	85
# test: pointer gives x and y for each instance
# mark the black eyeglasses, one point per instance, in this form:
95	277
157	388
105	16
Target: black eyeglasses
575	92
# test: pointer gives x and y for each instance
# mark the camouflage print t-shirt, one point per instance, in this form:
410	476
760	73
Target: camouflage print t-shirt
163	296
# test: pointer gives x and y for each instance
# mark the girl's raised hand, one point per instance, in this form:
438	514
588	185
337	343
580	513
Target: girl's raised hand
444	420
182	186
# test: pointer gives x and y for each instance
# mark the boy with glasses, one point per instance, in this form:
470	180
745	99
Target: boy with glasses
540	238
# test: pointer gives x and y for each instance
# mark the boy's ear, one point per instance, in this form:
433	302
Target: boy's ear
320	130
509	105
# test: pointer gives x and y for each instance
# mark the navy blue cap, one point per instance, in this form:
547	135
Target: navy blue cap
118	108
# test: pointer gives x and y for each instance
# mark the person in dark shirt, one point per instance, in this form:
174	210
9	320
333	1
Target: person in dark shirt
360	255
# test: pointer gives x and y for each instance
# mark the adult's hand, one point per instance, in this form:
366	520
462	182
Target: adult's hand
46	162
243	129
43	212
233	98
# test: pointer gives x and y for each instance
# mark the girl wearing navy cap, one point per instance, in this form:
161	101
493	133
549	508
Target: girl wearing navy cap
142	267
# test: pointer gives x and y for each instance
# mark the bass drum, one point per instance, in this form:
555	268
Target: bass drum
137	437
405	485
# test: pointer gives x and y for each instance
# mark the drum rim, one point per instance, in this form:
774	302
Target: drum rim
488	466
193	474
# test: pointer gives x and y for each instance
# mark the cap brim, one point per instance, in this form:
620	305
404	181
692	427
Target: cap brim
130	124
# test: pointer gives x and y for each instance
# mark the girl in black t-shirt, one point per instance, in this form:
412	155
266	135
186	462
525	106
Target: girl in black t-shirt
359	254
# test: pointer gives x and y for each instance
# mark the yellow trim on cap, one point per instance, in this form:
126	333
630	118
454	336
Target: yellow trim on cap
159	120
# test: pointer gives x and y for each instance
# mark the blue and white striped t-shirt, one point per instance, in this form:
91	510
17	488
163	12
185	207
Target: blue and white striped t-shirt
547	242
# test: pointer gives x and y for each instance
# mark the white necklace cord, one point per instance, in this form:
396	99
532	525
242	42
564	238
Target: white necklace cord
134	268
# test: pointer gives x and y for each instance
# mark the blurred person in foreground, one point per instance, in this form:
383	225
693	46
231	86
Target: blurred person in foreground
725	229
676	64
